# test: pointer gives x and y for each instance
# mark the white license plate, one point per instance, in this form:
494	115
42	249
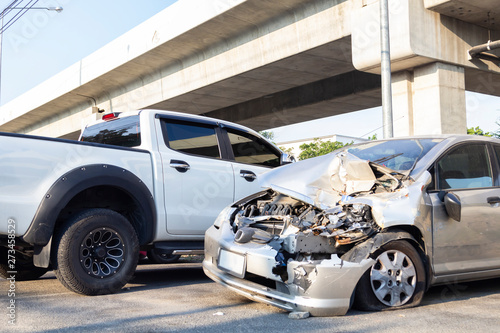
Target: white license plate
232	263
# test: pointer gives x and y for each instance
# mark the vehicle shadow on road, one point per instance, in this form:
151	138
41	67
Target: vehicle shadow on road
157	276
461	291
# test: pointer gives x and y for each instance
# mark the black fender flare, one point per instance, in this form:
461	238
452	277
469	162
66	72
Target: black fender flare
77	180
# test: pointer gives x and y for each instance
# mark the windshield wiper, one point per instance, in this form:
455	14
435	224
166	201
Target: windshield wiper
386	158
416	160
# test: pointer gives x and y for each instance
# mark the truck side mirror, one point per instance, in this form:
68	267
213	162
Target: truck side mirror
287	159
453	206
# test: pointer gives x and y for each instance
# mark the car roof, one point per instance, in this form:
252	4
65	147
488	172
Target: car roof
450	139
445	136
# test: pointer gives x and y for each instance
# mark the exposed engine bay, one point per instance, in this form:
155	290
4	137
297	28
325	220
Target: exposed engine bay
271	214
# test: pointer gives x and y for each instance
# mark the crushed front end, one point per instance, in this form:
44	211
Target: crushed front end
288	253
304	243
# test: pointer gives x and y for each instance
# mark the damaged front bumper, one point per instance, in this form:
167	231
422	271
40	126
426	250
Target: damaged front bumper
322	287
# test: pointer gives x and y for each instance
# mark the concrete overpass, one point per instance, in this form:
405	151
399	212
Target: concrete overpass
270	63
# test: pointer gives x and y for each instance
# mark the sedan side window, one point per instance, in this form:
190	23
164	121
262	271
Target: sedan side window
192	138
252	150
467	166
497	151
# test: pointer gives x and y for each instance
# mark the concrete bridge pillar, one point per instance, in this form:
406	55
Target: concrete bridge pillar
429	99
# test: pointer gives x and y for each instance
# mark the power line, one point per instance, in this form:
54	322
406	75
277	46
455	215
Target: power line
376	129
8	9
20	12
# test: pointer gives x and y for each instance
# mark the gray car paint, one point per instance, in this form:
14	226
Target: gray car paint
454	251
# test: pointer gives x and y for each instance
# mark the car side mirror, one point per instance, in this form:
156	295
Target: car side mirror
287	159
453	206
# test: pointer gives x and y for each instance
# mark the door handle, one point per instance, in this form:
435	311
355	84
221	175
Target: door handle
493	200
180	166
248	175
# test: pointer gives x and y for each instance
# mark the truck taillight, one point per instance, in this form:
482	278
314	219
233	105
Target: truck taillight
110	116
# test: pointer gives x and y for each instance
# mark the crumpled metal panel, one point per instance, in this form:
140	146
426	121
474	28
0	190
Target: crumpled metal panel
323	181
329	180
362	251
308	243
351	174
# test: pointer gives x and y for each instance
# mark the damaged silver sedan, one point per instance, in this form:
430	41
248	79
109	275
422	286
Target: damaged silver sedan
371	225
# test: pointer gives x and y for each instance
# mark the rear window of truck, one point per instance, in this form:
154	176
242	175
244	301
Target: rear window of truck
123	132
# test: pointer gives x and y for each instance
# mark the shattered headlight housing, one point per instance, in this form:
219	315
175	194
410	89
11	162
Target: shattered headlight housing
223	216
356	221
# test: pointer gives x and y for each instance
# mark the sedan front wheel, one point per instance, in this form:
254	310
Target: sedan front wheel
395	280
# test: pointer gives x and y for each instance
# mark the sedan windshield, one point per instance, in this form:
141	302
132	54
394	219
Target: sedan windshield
398	155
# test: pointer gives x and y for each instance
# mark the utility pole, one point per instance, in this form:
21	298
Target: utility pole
385	68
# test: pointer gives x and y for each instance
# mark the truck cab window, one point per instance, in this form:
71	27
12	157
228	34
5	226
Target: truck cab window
252	150
192	138
123	132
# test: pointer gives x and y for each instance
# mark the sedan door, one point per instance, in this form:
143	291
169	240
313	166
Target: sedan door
471	244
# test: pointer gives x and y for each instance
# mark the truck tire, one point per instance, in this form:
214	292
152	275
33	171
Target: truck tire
96	252
157	257
396	280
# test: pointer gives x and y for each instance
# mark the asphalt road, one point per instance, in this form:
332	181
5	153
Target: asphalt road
180	298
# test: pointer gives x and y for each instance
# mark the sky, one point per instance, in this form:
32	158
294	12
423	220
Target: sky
42	43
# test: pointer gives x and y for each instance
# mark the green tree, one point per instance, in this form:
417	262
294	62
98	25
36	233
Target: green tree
268	135
477	131
373	137
318	148
289	151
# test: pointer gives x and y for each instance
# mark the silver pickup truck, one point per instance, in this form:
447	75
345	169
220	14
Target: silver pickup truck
135	181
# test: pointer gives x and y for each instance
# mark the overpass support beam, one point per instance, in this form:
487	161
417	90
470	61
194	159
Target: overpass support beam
429	56
429	99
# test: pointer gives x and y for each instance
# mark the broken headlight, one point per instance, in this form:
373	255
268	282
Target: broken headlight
223	216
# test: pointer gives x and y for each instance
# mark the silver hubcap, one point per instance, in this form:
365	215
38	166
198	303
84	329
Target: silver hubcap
101	252
393	278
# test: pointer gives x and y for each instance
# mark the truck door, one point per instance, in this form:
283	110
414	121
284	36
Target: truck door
252	156
198	182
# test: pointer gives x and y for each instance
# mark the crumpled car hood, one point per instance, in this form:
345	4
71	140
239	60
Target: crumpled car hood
326	180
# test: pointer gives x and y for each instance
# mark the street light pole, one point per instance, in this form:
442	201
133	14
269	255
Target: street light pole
2	29
56	9
385	69
1	41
